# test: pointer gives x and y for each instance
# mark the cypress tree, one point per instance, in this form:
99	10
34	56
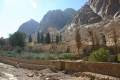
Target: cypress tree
48	39
57	39
38	37
30	39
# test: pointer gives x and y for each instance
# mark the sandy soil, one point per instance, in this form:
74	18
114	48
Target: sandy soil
8	72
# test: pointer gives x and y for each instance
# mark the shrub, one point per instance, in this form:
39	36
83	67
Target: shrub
113	58
37	56
66	56
52	57
100	55
18	50
11	54
29	57
118	57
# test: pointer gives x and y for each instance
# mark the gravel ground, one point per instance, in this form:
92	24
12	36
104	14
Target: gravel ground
8	72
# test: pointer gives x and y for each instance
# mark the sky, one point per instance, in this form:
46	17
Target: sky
15	12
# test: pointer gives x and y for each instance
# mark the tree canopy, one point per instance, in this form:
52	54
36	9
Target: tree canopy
17	39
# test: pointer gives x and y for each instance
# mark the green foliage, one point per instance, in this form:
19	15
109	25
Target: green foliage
2	42
30	39
100	55
66	56
57	39
17	39
118	57
48	39
60	38
8	53
11	54
113	58
18	50
38	37
42	39
37	56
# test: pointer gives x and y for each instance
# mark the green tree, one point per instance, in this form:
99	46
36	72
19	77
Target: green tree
2	42
60	37
42	38
38	37
30	39
100	55
57	38
17	39
48	39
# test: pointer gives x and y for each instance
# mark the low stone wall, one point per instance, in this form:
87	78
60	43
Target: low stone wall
31	64
111	69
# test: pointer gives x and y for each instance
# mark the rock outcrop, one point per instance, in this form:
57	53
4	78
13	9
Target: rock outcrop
86	16
105	8
95	14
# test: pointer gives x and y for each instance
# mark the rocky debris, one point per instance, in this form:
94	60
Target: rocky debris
94	76
30	75
7	76
2	75
36	73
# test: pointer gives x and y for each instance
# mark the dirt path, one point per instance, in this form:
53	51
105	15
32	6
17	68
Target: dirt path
8	72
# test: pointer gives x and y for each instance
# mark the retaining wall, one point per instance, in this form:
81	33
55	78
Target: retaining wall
112	69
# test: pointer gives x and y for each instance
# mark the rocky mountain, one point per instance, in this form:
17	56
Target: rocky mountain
105	8
87	16
29	27
95	11
57	19
95	14
54	19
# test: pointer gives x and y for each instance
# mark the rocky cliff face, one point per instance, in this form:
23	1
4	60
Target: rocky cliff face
105	8
96	14
57	19
95	11
87	16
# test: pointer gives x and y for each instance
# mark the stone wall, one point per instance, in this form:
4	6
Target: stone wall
111	69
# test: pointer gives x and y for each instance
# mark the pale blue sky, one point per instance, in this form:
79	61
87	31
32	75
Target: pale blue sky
14	12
